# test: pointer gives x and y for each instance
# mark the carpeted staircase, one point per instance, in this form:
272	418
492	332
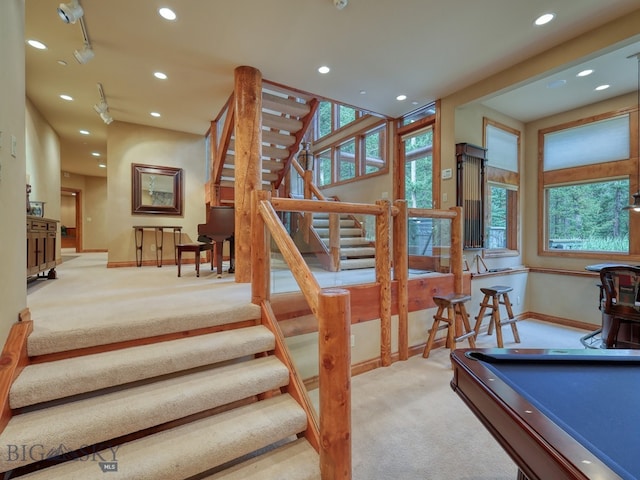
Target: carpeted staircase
356	251
209	406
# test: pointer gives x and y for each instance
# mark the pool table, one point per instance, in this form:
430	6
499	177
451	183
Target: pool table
559	414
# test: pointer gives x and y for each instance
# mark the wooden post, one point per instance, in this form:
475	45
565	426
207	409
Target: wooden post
260	255
401	275
308	216
334	241
383	278
334	333
248	161
456	250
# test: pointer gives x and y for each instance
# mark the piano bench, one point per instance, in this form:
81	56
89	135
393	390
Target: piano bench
196	248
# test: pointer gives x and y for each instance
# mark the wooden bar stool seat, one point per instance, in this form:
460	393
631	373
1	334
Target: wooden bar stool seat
493	298
196	248
456	320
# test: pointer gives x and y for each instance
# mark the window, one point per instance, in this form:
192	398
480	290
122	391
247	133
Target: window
331	117
416	167
324	168
503	182
588	175
346	160
352	156
589	216
418	170
374	143
323	122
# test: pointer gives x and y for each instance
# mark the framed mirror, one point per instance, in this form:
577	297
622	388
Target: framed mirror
156	190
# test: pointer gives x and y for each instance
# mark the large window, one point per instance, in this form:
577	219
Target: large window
588	175
418	170
417	164
503	183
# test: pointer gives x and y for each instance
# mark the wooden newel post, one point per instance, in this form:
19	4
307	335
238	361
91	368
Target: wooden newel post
248	161
456	249
334	335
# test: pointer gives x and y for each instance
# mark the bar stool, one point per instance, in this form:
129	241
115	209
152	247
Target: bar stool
492	301
454	306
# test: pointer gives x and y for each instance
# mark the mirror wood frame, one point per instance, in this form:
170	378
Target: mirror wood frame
137	205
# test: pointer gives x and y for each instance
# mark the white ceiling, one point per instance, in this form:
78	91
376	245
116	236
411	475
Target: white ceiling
425	49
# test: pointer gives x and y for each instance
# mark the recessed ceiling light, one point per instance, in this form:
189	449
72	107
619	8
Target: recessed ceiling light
154	114
68	98
167	13
102	165
602	87
84	132
363	92
557	83
584	73
401	97
324	69
37	44
160	75
95	154
62	62
544	19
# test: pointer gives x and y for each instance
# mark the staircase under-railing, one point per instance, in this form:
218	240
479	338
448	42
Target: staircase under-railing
332	306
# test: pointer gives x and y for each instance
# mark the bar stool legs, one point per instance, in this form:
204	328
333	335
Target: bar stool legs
492	300
453	304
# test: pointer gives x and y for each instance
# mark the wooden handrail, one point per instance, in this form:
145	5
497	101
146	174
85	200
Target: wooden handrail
305	279
298	205
332	306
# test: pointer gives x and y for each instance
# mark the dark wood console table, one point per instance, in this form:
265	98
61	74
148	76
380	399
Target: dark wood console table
159	235
42	236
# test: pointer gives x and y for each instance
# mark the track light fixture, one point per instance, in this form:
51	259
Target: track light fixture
102	108
70	12
84	55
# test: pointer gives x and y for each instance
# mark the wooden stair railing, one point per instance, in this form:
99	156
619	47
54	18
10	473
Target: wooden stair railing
332	308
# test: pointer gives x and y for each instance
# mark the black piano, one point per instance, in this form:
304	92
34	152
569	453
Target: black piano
219	227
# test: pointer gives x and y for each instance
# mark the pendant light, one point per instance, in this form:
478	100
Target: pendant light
635	206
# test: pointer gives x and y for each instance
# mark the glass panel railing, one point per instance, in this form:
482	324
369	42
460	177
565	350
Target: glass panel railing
345	256
429	245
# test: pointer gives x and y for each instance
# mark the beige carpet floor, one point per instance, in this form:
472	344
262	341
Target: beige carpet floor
407	422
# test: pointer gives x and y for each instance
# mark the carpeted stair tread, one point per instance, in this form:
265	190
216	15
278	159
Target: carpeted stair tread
112	325
354	252
62	378
355	263
344	232
296	460
112	415
193	448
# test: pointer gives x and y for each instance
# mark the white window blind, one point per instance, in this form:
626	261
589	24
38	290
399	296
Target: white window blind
502	149
597	142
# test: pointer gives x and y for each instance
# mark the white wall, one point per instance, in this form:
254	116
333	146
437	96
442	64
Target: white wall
13	290
127	144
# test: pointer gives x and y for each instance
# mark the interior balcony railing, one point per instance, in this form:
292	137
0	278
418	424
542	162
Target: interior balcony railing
330	310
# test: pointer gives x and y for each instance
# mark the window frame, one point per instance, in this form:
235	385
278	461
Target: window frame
498	177
592	173
358	137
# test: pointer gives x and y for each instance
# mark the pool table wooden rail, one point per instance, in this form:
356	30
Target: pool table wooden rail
541	449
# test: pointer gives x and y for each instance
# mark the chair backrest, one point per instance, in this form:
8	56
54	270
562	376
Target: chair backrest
621	290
